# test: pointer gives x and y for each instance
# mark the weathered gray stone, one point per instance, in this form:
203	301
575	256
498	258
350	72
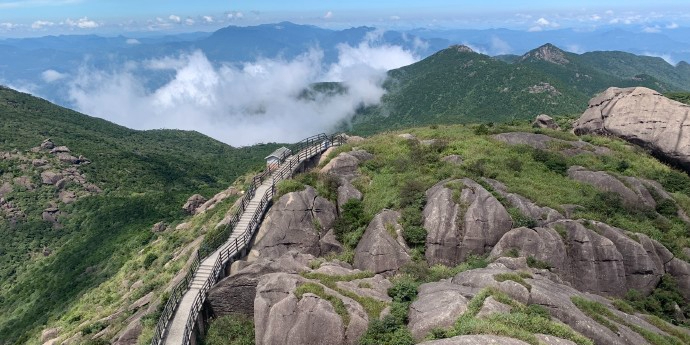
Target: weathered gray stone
5	189
438	305
641	116
545	121
297	221
472	225
193	203
379	251
475	340
235	294
50	177
492	306
159	227
541	215
680	270
453	159
542	243
551	340
50	333
347	192
407	136
605	182
344	166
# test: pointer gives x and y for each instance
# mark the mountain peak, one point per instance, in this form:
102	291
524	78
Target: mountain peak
549	53
461	48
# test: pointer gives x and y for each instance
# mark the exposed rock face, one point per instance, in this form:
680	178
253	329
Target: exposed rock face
60	149
556	298
193	203
235	294
50	177
211	203
407	136
50	333
47	144
282	318
159	227
438	305
475	340
379	250
298	221
492	306
5	188
543	142
345	165
545	121
608	183
641	116
453	159
472	225
346	192
542	215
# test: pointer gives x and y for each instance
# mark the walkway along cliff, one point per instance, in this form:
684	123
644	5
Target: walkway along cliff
178	321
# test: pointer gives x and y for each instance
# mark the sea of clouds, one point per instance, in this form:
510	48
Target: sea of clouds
237	103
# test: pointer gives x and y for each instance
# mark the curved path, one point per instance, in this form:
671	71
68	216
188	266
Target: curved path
180	328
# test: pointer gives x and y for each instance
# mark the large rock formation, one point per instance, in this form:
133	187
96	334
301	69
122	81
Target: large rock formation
298	221
281	317
462	218
382	249
641	116
438	305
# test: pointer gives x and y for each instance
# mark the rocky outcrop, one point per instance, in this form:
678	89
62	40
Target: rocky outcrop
545	121
544	142
347	192
51	177
637	198
641	116
297	221
281	317
438	305
211	203
345	165
193	203
453	159
382	249
541	215
462	218
476	340
50	333
556	298
235	294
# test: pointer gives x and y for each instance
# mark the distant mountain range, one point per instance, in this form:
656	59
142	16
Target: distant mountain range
459	85
23	61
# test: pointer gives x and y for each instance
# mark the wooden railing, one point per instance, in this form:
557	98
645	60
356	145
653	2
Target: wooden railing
305	149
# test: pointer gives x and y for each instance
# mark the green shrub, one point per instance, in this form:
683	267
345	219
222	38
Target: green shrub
520	219
352	221
622	166
535	263
288	186
415	236
235	329
404	289
553	161
666	207
149	259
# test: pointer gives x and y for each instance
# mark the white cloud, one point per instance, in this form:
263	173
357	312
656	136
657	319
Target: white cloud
8	26
595	17
651	29
174	18
574	48
40	24
189	21
499	46
542	22
208	19
82	23
672	26
328	15
666	57
51	75
240	105
132	41
395	18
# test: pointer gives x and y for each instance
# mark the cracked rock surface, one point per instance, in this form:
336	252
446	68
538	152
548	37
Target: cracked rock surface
379	251
641	116
298	221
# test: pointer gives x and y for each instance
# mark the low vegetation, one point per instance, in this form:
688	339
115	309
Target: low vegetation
230	330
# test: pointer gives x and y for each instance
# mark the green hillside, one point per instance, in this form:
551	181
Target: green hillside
134	179
457	85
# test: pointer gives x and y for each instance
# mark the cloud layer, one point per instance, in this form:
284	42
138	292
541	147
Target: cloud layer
260	101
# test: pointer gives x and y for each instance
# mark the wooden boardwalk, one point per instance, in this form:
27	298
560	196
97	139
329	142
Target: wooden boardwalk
176	326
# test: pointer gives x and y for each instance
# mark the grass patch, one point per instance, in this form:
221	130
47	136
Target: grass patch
233	329
516	277
318	290
536	263
372	306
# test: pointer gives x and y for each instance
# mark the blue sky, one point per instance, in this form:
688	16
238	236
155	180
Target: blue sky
42	17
